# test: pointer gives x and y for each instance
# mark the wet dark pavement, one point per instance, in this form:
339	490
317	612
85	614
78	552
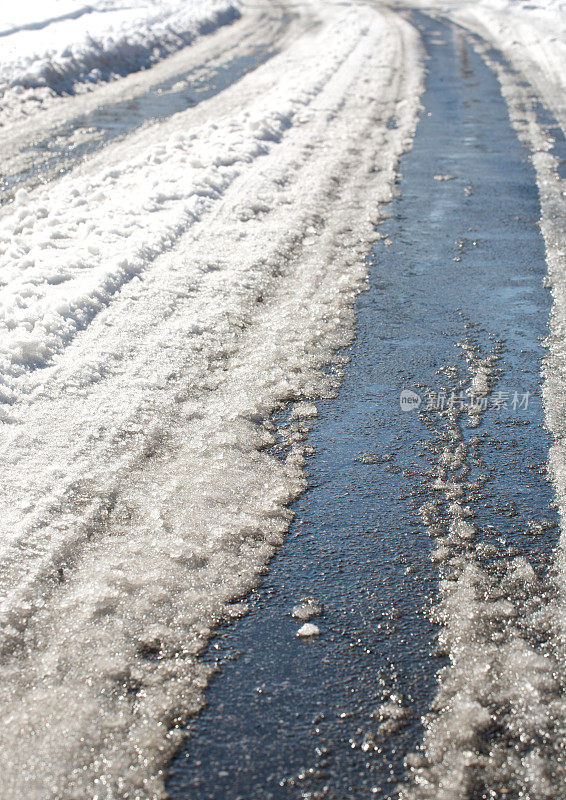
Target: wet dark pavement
461	256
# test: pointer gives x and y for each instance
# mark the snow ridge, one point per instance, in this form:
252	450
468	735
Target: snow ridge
68	52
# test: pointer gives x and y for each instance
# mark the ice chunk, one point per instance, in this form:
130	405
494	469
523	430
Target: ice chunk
304	411
307	608
307	630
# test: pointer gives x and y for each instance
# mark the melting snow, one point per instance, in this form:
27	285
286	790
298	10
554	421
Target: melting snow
158	305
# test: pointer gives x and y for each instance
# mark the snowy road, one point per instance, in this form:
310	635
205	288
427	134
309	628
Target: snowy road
398	499
158	304
181	248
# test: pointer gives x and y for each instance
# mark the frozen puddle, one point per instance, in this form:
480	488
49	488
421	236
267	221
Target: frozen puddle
400	497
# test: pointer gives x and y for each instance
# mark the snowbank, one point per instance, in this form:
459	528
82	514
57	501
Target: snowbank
65	46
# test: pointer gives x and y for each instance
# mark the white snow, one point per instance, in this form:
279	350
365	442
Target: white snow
304	411
67	45
392	715
307	630
158	304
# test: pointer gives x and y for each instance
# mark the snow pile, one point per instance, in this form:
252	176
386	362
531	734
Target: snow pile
59	46
158	304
